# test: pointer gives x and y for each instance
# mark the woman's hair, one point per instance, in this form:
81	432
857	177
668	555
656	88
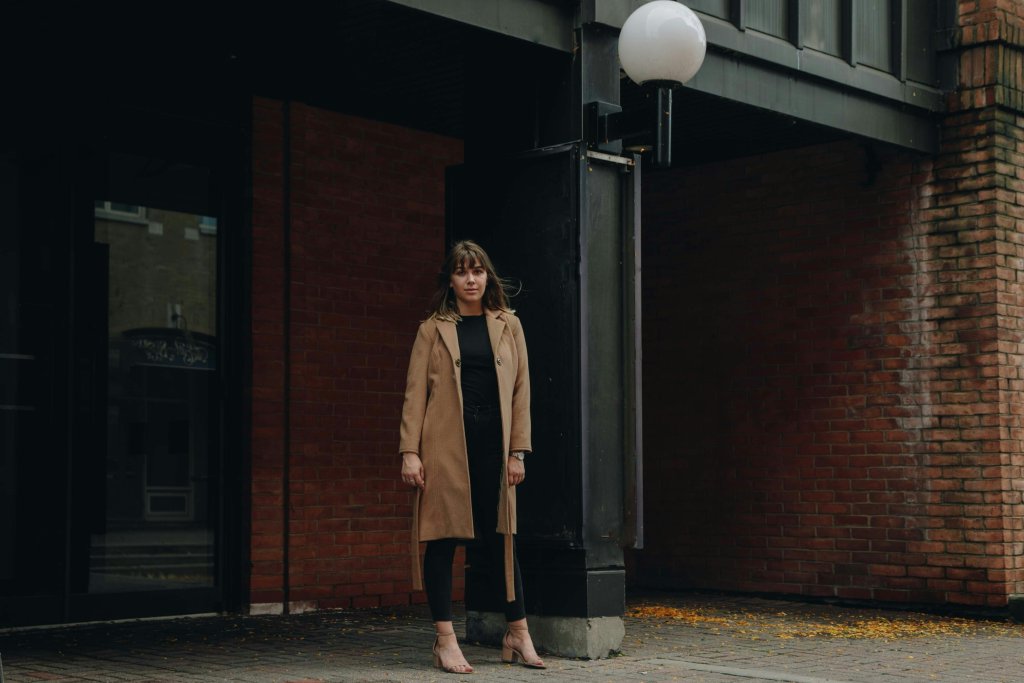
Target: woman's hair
465	253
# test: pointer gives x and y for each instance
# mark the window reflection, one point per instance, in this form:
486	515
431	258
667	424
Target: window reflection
161	354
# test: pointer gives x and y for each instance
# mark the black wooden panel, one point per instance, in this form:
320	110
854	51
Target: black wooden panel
821	24
873	33
524	212
769	16
922	16
716	8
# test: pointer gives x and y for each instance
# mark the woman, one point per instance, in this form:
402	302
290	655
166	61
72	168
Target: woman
465	430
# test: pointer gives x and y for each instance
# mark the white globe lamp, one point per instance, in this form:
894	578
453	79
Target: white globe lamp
662	43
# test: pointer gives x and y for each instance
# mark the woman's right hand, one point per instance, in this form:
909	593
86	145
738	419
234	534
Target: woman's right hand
412	470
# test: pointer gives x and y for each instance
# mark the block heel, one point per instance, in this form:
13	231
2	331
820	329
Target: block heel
510	655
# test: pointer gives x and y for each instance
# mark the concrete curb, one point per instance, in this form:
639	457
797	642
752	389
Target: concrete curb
761	674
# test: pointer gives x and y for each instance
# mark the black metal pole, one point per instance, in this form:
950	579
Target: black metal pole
663	129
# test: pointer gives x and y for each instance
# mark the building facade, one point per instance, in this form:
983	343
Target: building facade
213	276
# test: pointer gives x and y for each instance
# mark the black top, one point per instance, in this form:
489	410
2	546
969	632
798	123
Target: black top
479	376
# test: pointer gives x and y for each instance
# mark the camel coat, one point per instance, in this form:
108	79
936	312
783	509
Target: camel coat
432	427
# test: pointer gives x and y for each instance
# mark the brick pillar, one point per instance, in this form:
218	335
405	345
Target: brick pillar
968	224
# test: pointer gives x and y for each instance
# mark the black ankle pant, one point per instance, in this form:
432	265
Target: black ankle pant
484	446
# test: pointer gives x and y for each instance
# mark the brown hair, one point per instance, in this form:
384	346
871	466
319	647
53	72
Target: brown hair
465	253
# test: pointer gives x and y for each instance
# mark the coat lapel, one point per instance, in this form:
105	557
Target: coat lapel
450	337
495	326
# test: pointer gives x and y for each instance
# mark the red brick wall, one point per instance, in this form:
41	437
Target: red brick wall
367	235
831	375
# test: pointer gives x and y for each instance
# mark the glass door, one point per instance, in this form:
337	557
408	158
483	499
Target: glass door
122	452
146	495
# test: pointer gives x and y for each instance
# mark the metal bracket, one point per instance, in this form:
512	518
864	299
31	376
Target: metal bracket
605	125
610	158
596	121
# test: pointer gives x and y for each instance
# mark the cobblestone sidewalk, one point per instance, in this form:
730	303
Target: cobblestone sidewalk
684	637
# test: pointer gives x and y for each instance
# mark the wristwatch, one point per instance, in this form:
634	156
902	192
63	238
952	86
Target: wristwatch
517	454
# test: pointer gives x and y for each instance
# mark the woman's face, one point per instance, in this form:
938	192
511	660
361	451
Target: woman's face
469	282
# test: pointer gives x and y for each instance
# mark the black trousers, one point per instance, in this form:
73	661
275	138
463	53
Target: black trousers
484	447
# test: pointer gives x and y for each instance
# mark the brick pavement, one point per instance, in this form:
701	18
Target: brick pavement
737	639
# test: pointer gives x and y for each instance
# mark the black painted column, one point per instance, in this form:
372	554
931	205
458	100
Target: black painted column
563	219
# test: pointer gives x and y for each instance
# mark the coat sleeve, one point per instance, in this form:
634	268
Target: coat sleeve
415	406
520	440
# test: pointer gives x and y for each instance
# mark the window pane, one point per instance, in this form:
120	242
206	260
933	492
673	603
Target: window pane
162	349
124	208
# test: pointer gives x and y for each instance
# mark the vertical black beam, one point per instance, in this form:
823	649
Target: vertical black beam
68	225
637	356
633	474
598	69
849	30
234	297
286	196
898	39
597	73
738	14
584	350
86	462
795	27
946	26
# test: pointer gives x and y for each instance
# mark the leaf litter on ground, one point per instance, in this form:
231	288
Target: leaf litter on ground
772	622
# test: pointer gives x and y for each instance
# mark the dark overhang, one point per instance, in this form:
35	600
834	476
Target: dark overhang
873	95
536	21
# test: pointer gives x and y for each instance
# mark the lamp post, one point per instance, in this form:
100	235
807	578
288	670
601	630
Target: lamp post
661	45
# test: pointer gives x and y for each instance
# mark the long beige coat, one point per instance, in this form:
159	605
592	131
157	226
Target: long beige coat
432	427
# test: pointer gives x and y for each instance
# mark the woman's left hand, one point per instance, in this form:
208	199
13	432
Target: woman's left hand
516	471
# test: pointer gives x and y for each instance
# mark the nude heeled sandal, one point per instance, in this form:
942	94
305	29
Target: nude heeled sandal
437	657
510	655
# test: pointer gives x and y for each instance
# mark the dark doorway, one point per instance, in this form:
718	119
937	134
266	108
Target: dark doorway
120	347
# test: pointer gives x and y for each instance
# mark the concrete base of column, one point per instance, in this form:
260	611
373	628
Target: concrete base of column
592	638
